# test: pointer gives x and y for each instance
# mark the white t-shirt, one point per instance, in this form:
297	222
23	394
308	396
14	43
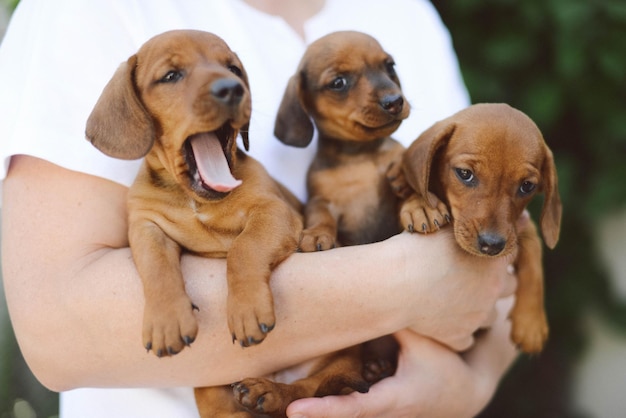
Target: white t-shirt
57	56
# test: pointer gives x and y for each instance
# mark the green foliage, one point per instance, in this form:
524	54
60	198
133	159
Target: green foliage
563	62
11	4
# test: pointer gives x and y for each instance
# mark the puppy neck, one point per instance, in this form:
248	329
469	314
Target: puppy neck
348	147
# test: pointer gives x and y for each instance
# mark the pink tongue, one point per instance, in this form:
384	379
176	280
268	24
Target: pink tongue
212	165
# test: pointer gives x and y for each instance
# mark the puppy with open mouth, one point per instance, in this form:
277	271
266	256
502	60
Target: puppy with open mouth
180	103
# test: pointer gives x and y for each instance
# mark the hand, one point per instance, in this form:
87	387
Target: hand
431	380
462	295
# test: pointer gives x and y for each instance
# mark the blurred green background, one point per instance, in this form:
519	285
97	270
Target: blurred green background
563	62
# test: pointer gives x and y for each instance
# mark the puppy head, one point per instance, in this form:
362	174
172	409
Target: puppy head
347	86
487	162
185	97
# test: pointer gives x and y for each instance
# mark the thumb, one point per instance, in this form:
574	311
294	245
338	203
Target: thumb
371	404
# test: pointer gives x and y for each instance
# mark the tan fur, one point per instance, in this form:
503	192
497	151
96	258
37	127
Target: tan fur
255	226
350	198
501	148
349	192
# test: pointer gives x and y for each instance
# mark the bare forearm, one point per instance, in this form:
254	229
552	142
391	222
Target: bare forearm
76	300
84	329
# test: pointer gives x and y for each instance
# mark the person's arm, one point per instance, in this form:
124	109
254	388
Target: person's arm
76	302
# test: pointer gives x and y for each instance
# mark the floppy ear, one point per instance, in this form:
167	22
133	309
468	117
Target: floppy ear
552	208
293	126
119	125
418	158
245	136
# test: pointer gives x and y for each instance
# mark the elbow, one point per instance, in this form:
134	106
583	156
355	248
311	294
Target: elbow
47	366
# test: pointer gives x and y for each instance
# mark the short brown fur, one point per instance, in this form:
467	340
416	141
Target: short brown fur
479	169
345	86
181	84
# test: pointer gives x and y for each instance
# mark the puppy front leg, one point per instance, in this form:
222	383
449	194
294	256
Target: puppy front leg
219	402
417	215
269	237
528	317
336	373
321	226
168	322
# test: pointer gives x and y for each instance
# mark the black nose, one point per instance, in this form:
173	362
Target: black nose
392	103
227	90
490	244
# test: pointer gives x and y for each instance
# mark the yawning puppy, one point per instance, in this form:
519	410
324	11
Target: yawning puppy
181	102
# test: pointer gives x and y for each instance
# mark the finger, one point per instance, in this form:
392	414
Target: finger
509	282
352	405
494	350
462	344
490	320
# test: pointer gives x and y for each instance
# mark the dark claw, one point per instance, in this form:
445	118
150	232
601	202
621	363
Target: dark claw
148	347
319	247
265	329
188	340
448	218
242	389
436	222
171	351
411	228
159	353
234	337
194	307
424	227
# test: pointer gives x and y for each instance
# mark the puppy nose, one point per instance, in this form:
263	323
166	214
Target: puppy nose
490	244
392	103
227	91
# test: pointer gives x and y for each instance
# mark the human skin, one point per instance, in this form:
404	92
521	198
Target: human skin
76	301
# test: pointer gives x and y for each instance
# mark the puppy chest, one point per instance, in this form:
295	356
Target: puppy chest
362	202
208	232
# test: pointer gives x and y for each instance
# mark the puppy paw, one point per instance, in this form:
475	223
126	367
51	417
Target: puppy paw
316	239
529	330
417	215
397	180
169	327
376	370
250	313
261	396
343	382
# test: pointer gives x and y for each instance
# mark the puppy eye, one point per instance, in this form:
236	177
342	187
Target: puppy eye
466	176
527	187
235	70
171	76
390	66
338	84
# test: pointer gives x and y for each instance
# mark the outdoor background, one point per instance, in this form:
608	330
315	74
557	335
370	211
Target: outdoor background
563	62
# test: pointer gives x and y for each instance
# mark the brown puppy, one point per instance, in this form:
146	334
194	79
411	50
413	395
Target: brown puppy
346	87
181	102
486	163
